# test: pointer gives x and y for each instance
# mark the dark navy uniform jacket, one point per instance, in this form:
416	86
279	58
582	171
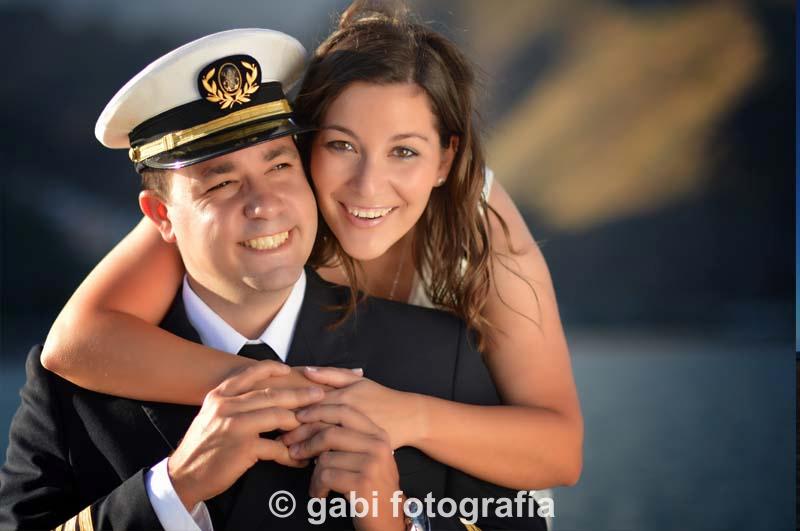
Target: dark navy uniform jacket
82	456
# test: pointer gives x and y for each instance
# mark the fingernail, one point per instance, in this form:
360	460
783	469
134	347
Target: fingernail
358	370
315	392
294	449
312	369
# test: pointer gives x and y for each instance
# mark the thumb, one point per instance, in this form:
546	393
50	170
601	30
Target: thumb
333	376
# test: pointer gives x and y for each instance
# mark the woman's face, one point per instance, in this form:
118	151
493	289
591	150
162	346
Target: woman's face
374	163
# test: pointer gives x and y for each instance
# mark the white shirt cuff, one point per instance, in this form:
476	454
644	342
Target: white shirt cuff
168	506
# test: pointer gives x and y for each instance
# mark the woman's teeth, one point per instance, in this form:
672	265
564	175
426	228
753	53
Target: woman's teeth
267	242
369	213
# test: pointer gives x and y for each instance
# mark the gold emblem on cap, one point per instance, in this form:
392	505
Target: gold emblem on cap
230	90
230	79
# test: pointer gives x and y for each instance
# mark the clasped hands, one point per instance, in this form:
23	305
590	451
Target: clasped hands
336	421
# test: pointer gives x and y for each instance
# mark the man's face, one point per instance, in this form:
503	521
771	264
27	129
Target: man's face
244	222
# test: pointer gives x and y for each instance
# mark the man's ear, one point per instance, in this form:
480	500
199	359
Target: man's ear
448	154
154	207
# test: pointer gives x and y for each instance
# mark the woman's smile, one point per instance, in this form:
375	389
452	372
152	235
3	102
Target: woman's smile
365	217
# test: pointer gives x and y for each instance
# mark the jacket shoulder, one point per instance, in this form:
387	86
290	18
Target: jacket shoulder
428	328
37	376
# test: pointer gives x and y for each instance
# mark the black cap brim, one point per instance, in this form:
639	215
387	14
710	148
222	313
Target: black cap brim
222	143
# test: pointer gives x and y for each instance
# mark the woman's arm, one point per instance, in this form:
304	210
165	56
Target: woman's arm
537	437
541	427
106	339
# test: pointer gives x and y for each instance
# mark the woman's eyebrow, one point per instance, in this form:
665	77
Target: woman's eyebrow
339	128
403	136
399	136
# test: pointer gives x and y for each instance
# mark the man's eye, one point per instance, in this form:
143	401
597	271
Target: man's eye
281	166
340	145
404	152
223	184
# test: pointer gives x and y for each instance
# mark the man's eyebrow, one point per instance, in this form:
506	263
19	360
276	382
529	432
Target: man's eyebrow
271	154
217	169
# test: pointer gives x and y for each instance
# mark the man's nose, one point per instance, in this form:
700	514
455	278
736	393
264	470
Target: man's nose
263	202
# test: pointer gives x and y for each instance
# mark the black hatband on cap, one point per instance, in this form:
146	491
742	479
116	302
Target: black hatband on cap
222	143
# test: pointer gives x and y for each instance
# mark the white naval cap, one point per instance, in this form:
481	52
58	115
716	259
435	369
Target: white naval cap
211	96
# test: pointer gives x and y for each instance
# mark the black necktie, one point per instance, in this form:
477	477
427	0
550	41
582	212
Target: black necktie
220	506
259	352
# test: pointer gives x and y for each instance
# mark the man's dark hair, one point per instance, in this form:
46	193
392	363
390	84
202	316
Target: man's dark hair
157	180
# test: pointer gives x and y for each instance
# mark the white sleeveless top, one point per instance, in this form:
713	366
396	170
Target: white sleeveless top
418	297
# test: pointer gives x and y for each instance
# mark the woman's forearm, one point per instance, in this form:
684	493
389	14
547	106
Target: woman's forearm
535	440
148	363
518	447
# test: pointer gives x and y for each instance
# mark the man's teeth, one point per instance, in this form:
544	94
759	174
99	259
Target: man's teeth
267	242
369	213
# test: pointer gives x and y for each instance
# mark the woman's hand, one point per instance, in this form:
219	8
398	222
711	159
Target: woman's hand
398	413
353	455
295	378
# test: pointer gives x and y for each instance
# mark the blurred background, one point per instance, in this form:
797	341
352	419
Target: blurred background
649	145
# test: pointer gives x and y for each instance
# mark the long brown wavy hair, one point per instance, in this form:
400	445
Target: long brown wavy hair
380	42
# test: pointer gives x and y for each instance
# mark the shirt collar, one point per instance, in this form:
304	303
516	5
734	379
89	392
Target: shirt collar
214	332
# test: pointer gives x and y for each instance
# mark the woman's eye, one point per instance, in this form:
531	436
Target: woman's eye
340	145
404	152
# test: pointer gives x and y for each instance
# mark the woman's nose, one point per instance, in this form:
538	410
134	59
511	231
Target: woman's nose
367	177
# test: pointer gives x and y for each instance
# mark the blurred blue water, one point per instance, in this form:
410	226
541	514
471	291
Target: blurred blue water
682	432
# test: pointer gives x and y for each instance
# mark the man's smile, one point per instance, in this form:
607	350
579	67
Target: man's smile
267	243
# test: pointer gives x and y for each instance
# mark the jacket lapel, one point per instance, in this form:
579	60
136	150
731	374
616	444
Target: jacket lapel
172	420
314	342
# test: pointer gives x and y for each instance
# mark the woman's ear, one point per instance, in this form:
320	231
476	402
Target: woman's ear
154	207
448	154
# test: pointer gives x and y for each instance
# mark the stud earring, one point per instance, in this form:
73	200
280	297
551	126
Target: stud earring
440	181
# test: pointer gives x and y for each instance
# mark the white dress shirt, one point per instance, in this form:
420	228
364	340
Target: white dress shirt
214	332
